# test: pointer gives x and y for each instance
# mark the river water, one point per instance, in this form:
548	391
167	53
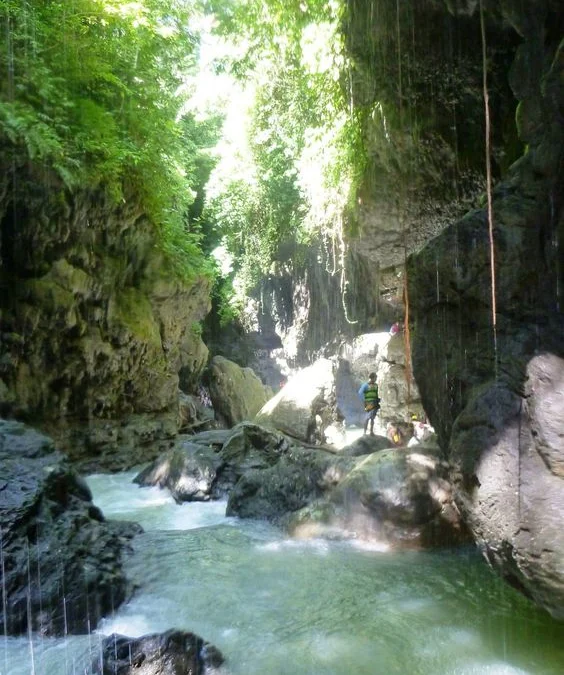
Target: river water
275	606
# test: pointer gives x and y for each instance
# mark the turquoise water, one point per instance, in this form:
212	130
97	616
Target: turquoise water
276	606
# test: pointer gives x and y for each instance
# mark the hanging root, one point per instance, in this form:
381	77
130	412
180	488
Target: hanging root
343	265
489	180
407	335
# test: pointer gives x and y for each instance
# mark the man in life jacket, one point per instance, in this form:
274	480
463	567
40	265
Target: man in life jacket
369	396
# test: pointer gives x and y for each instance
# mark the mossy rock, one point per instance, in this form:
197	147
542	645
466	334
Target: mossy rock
133	310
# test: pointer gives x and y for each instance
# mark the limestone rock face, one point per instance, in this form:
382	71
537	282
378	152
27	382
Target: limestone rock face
357	359
421	176
398	401
306	405
94	327
172	653
494	393
383	354
237	393
303	302
62	562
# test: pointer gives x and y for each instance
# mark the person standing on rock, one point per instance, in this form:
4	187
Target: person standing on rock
369	395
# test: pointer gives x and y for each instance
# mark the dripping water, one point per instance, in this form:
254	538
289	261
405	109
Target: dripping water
29	613
4	599
556	247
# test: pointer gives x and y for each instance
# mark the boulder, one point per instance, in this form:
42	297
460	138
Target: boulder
172	653
297	477
188	470
396	497
365	445
207	465
62	562
249	447
509	460
306	405
237	393
192	414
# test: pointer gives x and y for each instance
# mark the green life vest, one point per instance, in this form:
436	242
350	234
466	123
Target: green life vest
371	397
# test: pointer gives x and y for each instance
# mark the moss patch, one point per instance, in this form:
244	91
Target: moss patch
133	310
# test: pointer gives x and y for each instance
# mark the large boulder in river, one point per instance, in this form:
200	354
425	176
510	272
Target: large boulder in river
393	496
306	405
288	478
188	470
207	465
172	653
62	562
237	393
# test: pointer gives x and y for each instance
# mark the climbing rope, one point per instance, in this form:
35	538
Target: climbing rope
489	179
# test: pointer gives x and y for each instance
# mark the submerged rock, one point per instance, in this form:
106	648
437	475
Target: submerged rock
172	653
62	562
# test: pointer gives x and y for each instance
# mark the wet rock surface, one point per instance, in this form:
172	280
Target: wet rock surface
188	470
297	478
62	562
307	404
265	473
510	483
367	490
399	497
172	653
237	393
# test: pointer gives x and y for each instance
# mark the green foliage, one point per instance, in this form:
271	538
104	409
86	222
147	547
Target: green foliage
196	329
93	92
299	155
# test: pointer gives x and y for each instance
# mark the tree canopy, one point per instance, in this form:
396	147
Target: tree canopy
103	92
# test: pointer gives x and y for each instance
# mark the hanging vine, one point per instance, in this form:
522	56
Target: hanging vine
489	180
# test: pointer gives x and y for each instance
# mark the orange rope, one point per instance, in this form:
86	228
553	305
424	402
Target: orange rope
489	179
